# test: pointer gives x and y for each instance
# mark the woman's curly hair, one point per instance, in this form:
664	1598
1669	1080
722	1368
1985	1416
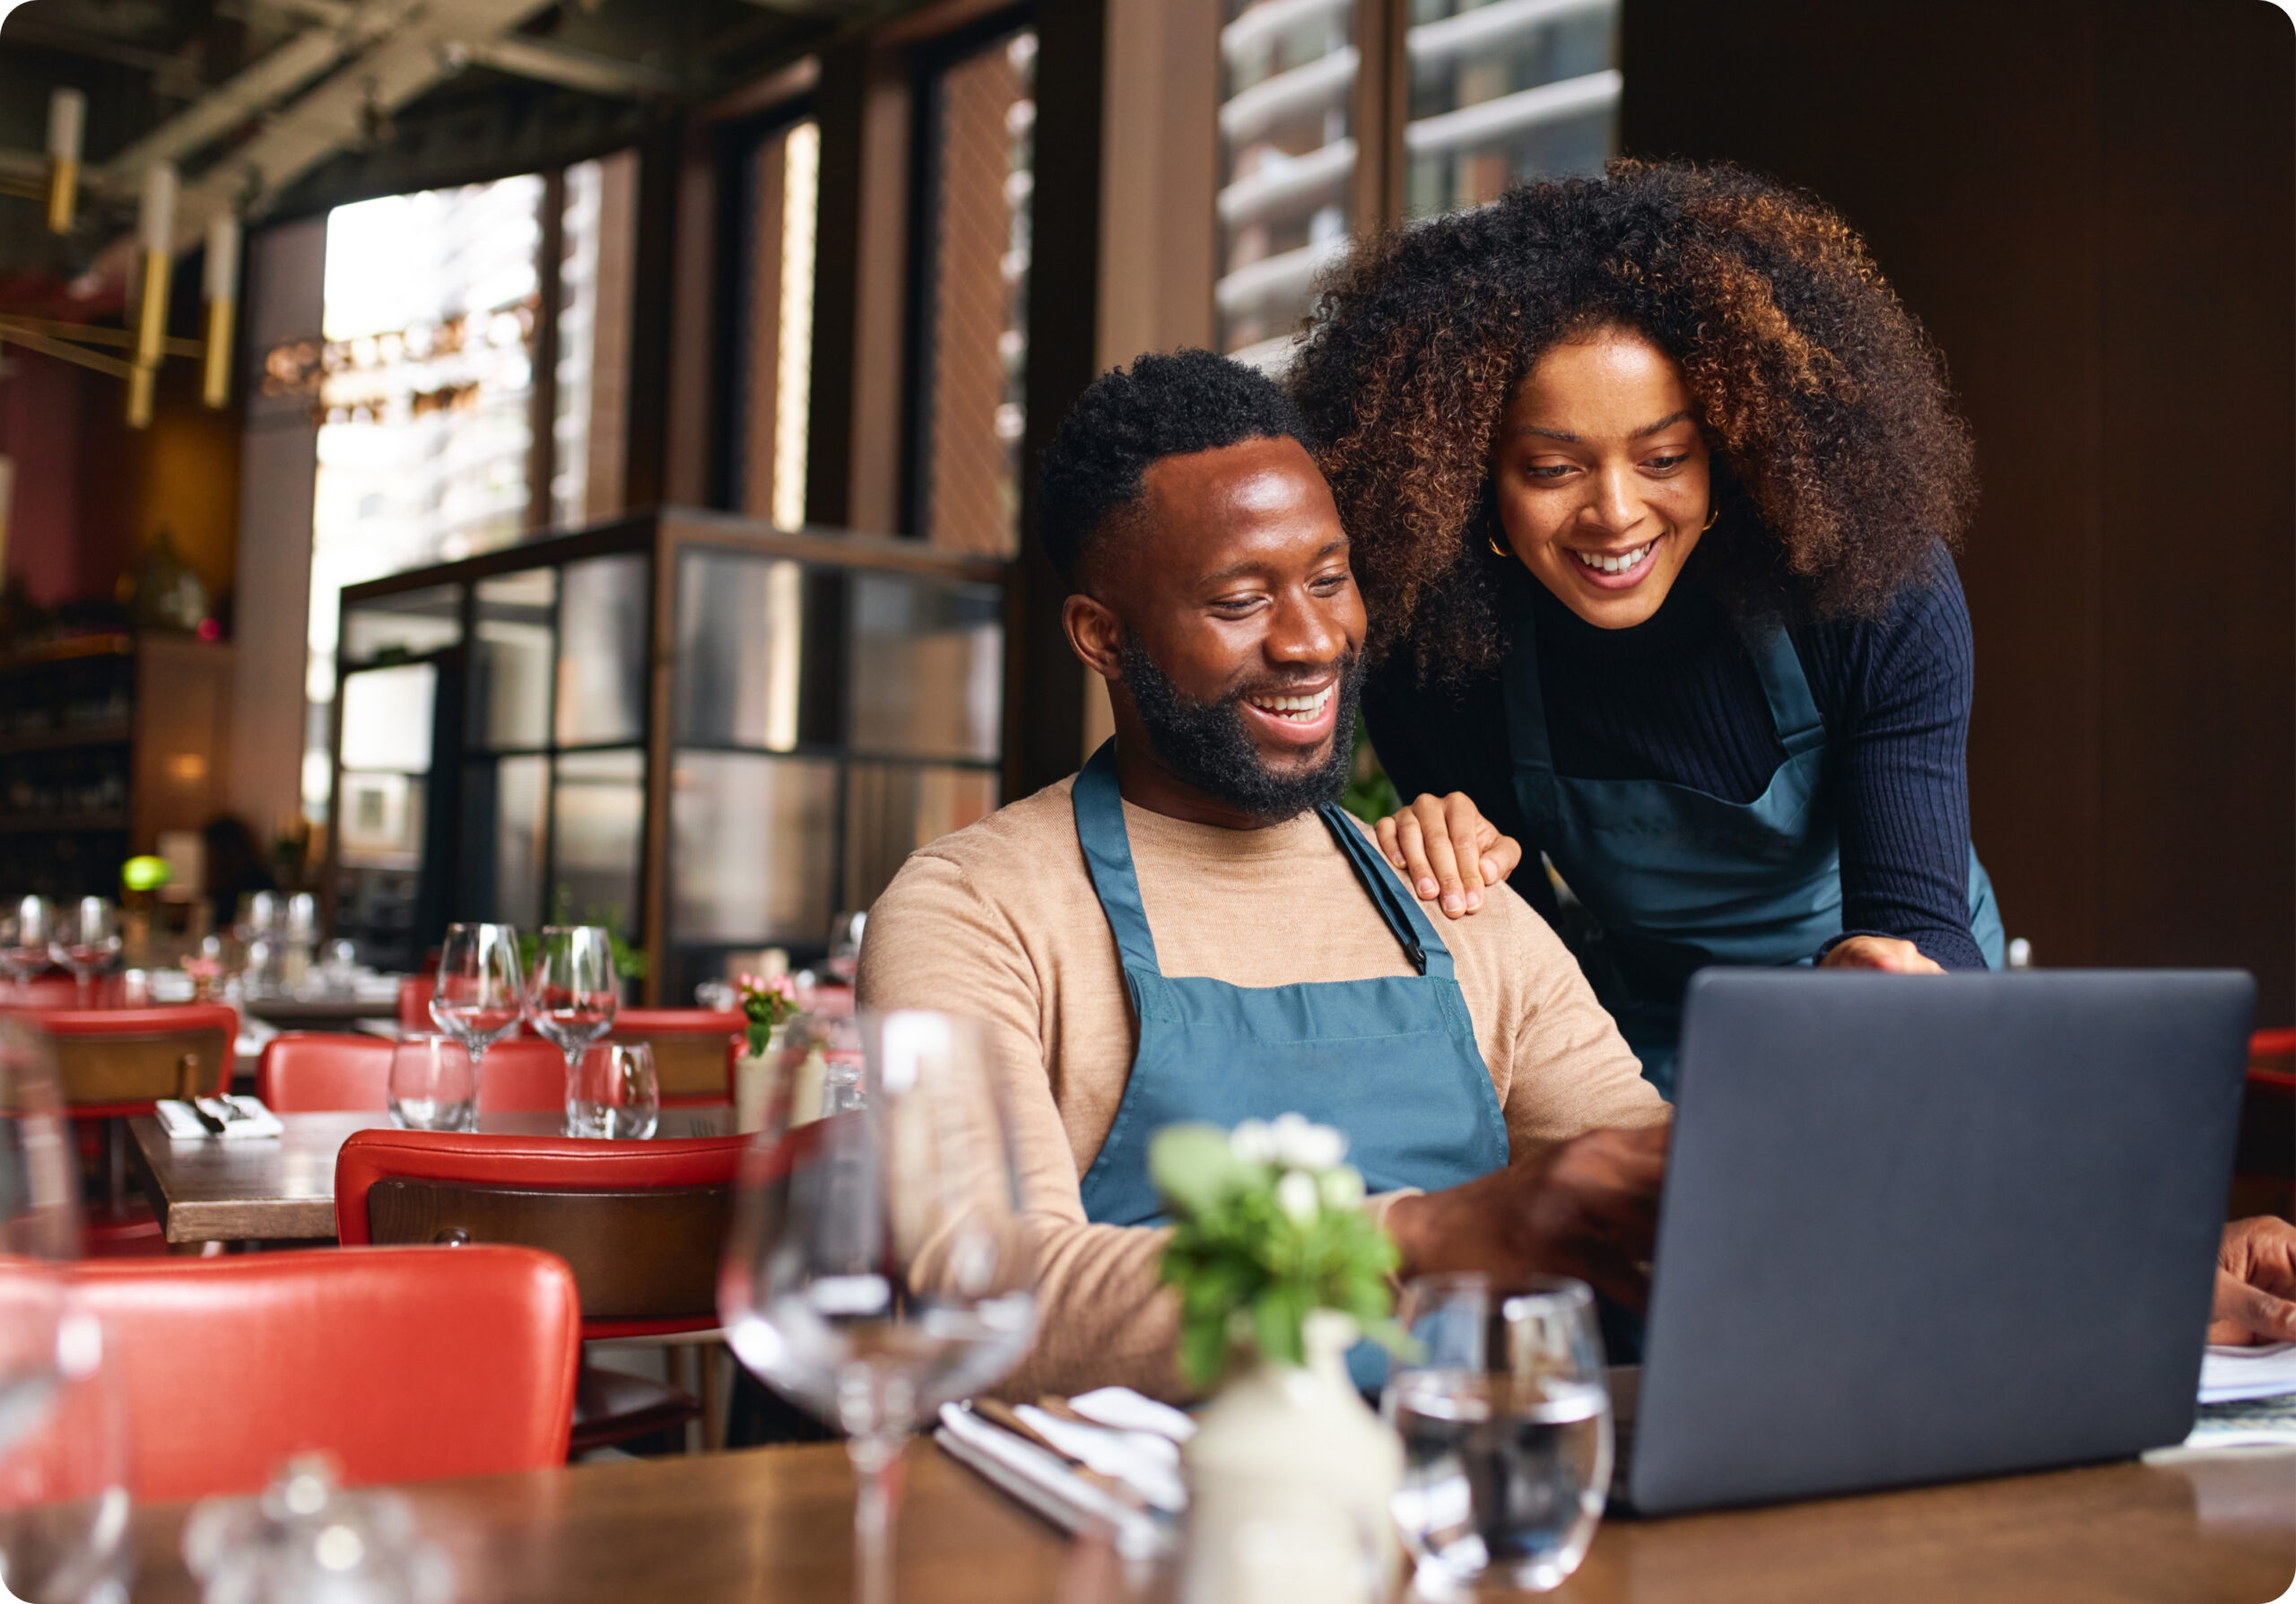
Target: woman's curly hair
1839	462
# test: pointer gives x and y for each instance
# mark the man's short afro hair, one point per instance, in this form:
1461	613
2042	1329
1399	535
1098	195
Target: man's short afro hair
1162	406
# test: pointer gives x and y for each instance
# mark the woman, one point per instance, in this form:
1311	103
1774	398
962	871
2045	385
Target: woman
1651	482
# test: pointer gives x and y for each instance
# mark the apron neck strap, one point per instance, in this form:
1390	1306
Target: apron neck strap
1108	854
1405	920
1791	709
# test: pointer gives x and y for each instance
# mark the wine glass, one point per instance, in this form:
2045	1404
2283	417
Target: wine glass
877	1267
25	929
64	1464
571	991
845	933
86	938
478	998
613	1093
1505	1415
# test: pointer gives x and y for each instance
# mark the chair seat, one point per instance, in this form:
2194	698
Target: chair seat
610	1406
130	1231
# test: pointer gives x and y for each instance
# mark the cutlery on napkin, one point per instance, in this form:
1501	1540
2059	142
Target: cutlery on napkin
224	1119
1012	1448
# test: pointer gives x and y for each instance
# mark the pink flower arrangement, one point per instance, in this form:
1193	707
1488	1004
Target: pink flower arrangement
765	1003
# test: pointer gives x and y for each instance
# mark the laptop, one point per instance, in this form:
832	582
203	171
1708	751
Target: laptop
1917	1230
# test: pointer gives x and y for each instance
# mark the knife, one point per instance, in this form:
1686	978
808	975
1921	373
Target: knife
214	1126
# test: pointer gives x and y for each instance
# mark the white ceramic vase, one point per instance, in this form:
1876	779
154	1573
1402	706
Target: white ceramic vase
1290	1481
756	1078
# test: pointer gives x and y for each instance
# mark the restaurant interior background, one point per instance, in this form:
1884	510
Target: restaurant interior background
620	504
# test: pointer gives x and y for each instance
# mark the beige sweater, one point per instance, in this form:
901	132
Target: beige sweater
1000	921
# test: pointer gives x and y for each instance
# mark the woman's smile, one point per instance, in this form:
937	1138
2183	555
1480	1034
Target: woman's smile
1617	570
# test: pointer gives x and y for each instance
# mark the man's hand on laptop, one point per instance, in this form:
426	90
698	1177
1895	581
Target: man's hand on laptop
2255	1280
1587	1207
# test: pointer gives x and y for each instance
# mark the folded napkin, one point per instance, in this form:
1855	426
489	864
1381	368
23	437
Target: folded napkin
246	1120
2230	1374
1054	1487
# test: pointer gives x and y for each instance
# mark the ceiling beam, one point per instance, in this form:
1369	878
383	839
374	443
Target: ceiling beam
281	72
585	70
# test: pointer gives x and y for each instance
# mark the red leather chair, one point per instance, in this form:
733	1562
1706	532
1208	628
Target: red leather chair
641	1223
414	1002
311	1072
401	1363
2264	1168
694	1049
112	1063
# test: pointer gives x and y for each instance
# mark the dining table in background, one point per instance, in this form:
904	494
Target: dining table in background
282	1189
771	1524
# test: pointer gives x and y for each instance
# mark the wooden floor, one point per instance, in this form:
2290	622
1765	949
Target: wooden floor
773	1525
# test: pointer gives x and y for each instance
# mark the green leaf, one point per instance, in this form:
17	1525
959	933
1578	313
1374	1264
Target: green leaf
1277	1316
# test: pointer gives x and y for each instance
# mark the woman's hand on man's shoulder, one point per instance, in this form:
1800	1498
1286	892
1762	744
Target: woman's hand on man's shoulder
1447	850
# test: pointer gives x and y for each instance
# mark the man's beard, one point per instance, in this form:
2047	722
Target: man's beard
1206	745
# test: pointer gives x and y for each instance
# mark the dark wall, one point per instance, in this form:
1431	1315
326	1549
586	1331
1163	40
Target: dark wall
2093	207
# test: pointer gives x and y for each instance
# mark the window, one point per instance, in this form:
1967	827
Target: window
435	439
1464	99
968	399
1287	132
778	181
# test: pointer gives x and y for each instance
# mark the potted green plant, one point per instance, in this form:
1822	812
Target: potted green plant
1279	1269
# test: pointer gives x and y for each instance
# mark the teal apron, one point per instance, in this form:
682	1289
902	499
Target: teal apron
1391	1063
1676	878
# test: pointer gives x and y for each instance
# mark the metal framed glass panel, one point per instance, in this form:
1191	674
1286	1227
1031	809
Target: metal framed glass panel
603	605
597	838
514	646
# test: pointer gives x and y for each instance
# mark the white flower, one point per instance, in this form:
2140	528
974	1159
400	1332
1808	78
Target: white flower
1300	1146
1296	1195
1254	1142
1342	1188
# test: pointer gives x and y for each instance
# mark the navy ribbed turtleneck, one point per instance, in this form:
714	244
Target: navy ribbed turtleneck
1676	699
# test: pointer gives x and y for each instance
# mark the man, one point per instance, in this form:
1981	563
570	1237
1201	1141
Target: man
1188	931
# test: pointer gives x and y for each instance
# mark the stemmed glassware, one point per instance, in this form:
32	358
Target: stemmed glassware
877	1267
571	992
25	927
63	1432
86	938
478	997
845	933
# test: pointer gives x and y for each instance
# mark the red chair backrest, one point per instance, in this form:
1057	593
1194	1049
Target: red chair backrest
642	1224
694	1049
233	1365
414	1002
116	1061
316	1072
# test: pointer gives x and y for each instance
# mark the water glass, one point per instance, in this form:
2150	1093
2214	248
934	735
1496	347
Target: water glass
480	995
86	939
878	1265
434	1084
1505	1416
612	1093
26	927
571	990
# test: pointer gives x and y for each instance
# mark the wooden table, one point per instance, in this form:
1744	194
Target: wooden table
773	1525
283	1190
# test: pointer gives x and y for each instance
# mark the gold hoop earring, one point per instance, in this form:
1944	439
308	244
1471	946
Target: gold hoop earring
1714	512
1497	550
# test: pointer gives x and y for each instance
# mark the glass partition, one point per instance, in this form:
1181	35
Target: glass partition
828	714
515	644
602	650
